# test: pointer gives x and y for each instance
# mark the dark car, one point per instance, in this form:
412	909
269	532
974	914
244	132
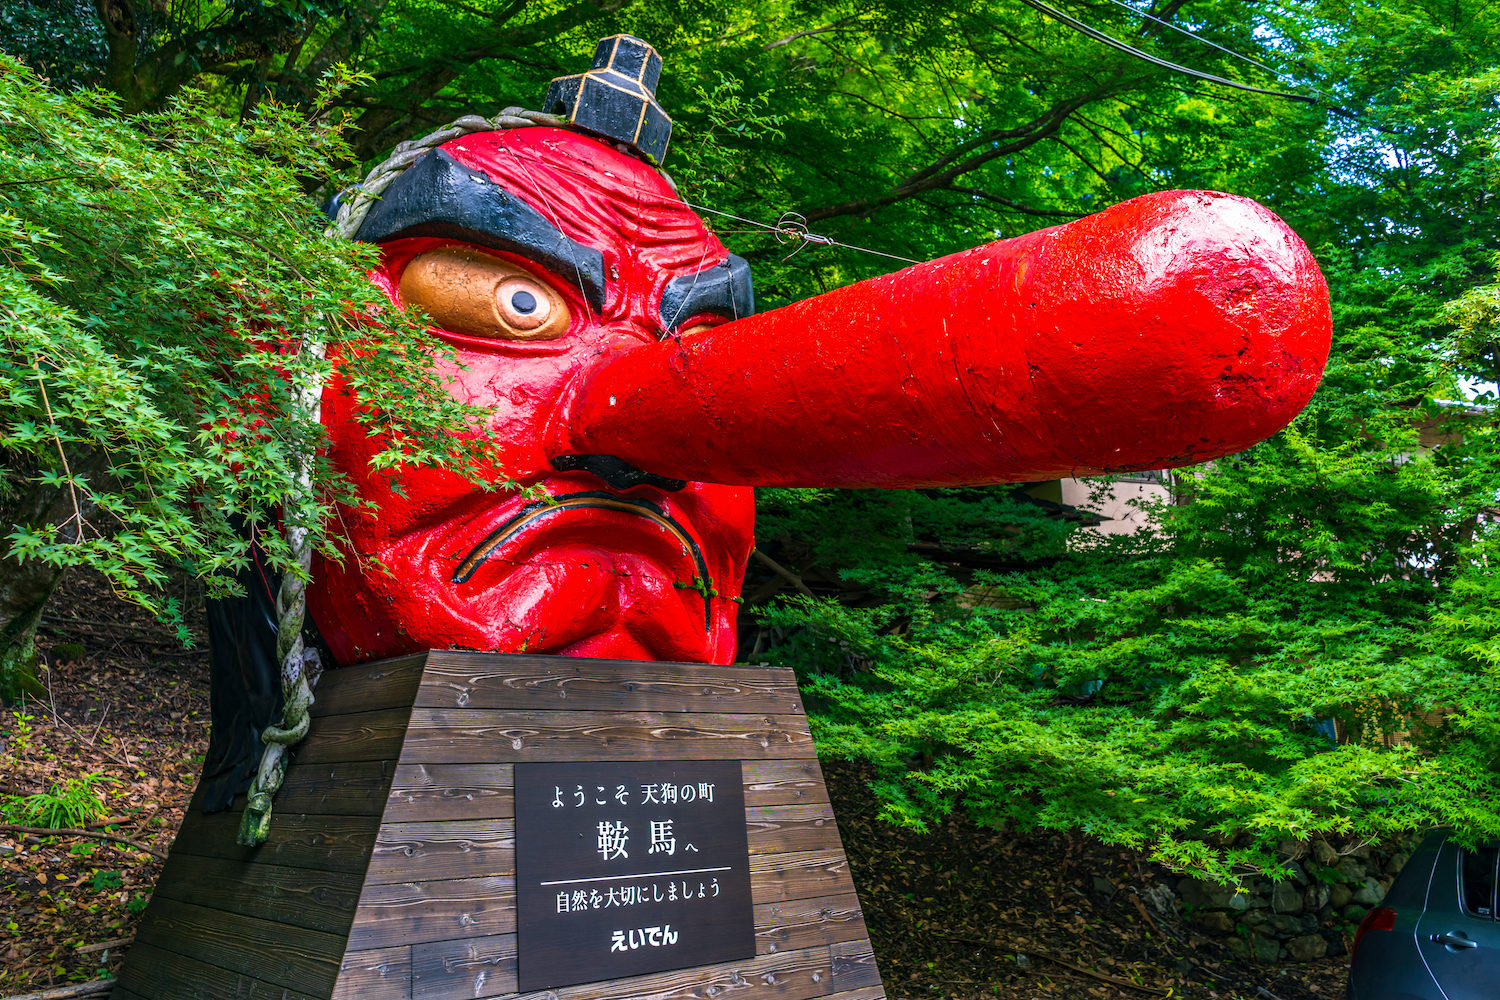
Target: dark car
1434	936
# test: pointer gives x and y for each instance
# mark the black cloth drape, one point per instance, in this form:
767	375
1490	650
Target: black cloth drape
244	680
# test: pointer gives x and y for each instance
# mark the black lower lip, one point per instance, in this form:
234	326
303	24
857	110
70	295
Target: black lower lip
616	472
534	512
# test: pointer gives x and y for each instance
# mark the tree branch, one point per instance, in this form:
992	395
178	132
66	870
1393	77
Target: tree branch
1090	127
380	128
343	41
909	119
986	138
835	26
1154	20
1050	213
256	88
942	174
465	7
42	831
151	82
782	571
1084	160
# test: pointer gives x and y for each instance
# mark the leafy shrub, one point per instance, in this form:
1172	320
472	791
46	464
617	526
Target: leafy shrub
169	289
1166	690
72	804
106	881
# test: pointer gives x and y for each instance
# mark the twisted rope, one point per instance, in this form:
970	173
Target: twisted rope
364	195
300	666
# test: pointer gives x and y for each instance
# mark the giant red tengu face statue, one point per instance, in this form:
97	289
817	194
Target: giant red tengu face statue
539	253
611	337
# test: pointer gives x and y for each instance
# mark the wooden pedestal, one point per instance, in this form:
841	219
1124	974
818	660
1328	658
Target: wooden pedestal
390	869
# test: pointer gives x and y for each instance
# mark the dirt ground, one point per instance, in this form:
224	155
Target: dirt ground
962	912
125	702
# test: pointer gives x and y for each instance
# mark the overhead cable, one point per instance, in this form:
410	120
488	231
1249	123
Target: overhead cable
792	228
1115	43
1196	37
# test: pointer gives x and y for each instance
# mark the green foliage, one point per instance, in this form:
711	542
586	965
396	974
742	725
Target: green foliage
1182	689
18	735
70	805
714	154
1156	691
872	529
106	881
168	291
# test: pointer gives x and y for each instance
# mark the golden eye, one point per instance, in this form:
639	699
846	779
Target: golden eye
523	303
471	292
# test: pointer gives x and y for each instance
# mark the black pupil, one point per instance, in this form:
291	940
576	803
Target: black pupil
524	302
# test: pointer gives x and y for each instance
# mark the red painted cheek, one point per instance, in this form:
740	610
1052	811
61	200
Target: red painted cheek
570	578
520	393
544	607
656	613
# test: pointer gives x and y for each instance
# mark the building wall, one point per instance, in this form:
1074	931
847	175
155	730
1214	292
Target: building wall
1124	517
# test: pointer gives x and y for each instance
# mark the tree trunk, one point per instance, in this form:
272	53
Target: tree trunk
24	589
26	586
118	19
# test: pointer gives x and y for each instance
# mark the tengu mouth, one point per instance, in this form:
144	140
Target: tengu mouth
534	513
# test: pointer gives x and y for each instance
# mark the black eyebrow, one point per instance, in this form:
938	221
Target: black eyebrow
726	289
438	196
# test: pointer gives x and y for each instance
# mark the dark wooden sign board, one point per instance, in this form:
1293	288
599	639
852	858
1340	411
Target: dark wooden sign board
391	869
628	867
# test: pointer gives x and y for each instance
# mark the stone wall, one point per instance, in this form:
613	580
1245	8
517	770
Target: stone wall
1308	916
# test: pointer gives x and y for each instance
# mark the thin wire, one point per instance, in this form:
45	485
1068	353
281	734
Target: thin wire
556	221
1285	78
1200	38
796	231
1115	43
1319	97
672	323
792	231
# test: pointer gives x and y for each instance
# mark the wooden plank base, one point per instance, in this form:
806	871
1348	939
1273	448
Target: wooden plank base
390	872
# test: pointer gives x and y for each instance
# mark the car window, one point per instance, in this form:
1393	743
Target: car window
1479	880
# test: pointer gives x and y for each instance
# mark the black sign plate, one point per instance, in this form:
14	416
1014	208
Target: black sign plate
629	867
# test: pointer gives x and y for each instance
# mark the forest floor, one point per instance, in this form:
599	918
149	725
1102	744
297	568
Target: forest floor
960	912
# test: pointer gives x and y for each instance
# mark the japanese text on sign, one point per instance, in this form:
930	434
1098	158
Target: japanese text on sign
664	840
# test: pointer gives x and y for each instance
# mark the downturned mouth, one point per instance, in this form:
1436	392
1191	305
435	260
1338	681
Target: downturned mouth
534	513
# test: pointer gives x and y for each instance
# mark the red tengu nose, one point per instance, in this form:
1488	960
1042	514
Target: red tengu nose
1168	330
